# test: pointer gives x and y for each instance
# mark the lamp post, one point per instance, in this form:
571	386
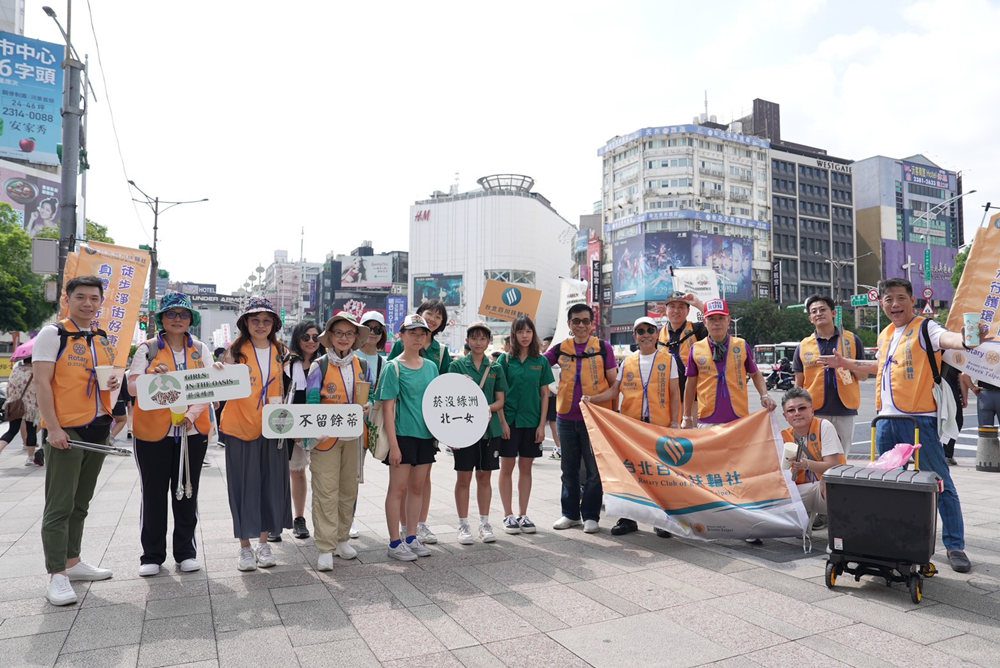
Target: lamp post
154	204
927	233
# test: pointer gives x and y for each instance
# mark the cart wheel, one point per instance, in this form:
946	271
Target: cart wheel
831	575
916	588
928	570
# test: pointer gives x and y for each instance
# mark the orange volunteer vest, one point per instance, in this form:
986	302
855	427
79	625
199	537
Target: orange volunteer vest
813	450
241	417
814	376
592	377
334	391
685	345
656	388
155	425
74	382
735	376
910	379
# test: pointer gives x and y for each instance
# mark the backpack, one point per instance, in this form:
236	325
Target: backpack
65	335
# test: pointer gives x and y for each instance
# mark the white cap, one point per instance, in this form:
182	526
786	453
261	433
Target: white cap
645	320
372	315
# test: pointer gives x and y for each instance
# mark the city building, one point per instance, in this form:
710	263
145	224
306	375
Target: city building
362	281
502	231
907	209
286	284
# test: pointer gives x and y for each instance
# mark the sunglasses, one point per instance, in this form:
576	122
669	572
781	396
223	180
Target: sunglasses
645	330
580	321
309	337
376	329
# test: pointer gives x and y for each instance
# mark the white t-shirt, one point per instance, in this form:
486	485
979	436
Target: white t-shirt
645	371
934	330
46	349
140	362
298	375
831	441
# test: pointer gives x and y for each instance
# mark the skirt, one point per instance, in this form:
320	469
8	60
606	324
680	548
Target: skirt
259	490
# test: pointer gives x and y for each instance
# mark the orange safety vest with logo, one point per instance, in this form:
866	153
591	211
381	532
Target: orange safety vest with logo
814	376
74	381
592	375
911	382
687	339
334	391
242	417
735	377
655	387
155	425
813	450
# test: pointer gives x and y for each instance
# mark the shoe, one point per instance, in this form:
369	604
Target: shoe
345	551
425	534
402	552
190	565
273	537
486	533
39	457
87	573
590	526
624	526
959	561
148	570
511	525
465	534
951	461
527	526
566	523
819	523
299	529
354	532
247	562
325	562
661	533
29	462
417	548
265	558
754	541
60	591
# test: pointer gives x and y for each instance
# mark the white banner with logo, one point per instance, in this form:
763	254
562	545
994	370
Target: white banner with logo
194	386
312	421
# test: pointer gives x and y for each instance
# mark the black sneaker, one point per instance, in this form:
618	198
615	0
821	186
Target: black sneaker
754	541
511	525
951	461
623	527
819	523
959	561
299	529
273	537
662	533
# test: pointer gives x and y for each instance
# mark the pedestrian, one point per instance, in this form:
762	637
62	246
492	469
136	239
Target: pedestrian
550	412
373	352
587	368
304	349
483	456
819	448
527	377
679	334
649	389
959	384
22	409
338	377
159	452
435	315
411	444
72	406
256	469
987	403
904	385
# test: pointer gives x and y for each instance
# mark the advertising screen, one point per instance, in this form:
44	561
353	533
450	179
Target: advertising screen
448	288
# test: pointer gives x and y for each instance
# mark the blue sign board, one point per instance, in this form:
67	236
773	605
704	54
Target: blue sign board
395	312
31	85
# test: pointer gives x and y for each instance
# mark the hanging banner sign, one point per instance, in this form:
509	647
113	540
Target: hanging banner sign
312	421
194	386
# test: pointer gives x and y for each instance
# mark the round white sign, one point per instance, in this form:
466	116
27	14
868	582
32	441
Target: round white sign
554	385
456	410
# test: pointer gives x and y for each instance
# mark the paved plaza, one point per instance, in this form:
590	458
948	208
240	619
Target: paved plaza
549	599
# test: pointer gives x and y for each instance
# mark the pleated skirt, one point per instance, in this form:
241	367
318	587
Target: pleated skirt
259	490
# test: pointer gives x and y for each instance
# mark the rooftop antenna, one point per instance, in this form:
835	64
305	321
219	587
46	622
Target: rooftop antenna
454	186
706	103
302	245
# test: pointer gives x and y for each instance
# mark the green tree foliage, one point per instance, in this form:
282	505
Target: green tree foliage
763	321
22	298
95	232
956	274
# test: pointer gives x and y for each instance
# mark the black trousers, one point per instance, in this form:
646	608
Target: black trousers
15	428
157	462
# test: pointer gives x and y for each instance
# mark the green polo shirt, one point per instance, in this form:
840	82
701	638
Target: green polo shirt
407	388
495	382
523	403
436	353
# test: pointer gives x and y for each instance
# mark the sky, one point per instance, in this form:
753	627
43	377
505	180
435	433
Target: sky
335	117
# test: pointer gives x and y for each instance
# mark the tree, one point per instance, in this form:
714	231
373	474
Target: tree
763	321
95	232
22	293
956	273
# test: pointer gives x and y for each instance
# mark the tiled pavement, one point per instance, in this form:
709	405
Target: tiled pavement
553	598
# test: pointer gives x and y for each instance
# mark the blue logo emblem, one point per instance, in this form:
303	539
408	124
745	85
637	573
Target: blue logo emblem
511	296
674	451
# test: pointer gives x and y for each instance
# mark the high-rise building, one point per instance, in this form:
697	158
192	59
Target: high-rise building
361	281
287	283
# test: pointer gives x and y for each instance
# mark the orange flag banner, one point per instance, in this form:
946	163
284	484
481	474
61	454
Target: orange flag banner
717	482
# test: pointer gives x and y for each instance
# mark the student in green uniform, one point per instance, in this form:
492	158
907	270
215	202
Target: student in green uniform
528	376
436	316
482	457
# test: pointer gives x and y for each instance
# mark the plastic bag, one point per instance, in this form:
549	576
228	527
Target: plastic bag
896	458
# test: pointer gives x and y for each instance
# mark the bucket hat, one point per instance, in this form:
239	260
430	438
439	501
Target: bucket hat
327	339
258	305
173	300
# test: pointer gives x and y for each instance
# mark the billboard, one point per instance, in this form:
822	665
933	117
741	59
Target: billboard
371	271
32	194
924	175
446	287
942	265
31	86
359	304
395	311
506	301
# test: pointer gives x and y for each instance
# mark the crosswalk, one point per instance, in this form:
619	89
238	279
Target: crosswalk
965	444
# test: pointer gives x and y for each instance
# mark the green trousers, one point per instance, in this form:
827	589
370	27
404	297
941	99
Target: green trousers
70	479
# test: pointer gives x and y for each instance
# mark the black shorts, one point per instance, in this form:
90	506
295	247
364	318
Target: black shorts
415	451
119	409
481	456
521	443
551	415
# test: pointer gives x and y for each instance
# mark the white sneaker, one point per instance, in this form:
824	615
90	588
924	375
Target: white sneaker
590	526
425	534
486	533
87	573
265	558
417	548
565	523
189	566
60	591
247	562
465	534
402	552
148	570
345	551
354	532
325	562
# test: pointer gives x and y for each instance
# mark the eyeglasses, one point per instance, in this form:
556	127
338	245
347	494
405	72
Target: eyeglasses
177	315
309	337
641	331
797	409
343	334
580	321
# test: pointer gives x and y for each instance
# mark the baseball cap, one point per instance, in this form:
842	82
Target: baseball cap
716	307
414	322
677	296
645	320
480	325
372	315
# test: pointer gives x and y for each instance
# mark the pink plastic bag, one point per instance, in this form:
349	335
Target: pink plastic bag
895	458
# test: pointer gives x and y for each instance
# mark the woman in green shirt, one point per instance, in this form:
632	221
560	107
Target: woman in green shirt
526	402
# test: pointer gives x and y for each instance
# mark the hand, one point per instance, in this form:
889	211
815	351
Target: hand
688	423
395	456
113	383
218	366
768	403
187	425
539	434
160	368
585	399
834	361
58	438
984	334
976	390
800	465
505	431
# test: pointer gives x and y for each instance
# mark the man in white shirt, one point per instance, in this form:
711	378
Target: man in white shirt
819	448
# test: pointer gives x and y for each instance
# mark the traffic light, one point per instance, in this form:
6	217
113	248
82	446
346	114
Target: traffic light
142	325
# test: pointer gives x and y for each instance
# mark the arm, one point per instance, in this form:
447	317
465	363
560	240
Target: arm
675	402
964	385
765	400
44	371
389	415
862	369
540	429
690	392
800	379
607	394
817	468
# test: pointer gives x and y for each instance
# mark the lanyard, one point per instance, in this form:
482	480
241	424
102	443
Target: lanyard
267	384
645	383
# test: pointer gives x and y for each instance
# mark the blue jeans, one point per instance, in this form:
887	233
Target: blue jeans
576	448
890	432
988	407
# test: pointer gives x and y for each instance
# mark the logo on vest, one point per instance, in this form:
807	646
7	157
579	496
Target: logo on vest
196	355
661	367
331	388
165	390
103	340
674	451
79	348
702	360
630	376
736	350
812	437
281	421
511	297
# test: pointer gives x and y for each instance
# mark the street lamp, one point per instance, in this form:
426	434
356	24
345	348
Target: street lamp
837	266
927	233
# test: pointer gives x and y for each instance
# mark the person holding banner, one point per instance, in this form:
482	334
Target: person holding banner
339	377
818	448
158	448
588	368
650	391
256	469
73	407
680	334
482	457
